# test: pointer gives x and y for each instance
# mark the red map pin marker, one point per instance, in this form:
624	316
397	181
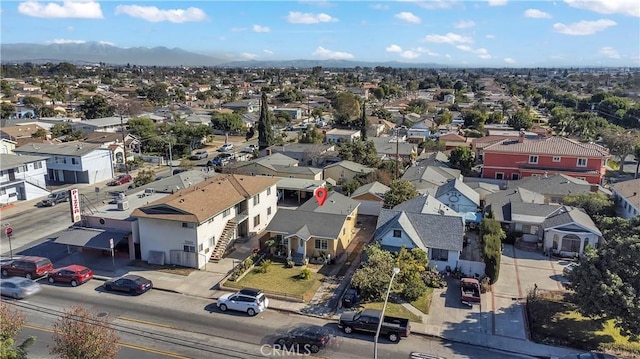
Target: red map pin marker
321	195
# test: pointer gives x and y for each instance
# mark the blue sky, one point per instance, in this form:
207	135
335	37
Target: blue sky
469	33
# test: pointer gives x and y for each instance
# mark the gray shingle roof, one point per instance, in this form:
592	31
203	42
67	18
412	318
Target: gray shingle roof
75	148
569	215
352	166
425	204
335	203
500	202
305	224
375	188
296	169
425	230
630	190
462	188
430	176
9	161
556	185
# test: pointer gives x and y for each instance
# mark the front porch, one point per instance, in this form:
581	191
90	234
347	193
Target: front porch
568	244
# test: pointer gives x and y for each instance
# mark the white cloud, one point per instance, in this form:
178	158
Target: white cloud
65	41
380	7
509	60
393	48
249	56
258	28
536	14
106	43
433	4
333	55
489	36
426	51
153	14
481	52
464	24
268	52
68	9
583	27
296	17
609	52
497	2
238	29
449	38
408	17
410	54
625	7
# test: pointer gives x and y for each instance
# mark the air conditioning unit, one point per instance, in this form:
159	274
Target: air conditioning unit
123	205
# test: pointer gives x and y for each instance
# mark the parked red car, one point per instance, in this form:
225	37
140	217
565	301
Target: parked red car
28	267
122	179
73	274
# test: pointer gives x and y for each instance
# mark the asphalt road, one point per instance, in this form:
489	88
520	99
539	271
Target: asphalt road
162	324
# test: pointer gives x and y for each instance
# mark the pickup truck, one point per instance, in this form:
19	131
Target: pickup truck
469	291
366	320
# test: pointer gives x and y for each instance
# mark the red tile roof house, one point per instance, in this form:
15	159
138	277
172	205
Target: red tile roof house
512	159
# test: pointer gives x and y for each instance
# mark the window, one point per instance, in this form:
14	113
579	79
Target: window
75	161
499	175
200	247
212	241
581	178
256	220
582	162
226	213
269	211
322	244
556	158
269	191
397	233
256	199
37	165
515	176
189	248
529	229
60	160
21	169
533	159
3	191
188	225
571	243
439	254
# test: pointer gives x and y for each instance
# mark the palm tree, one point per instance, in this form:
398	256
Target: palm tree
636	154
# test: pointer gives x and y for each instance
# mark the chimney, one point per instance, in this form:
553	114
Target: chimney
268	150
521	135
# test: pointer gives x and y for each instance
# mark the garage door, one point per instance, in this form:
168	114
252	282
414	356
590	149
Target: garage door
369	208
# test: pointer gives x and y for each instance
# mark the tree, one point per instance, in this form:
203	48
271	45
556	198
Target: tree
462	159
444	118
594	203
364	123
522	119
227	122
607	281
142	127
40	133
250	133
312	135
636	155
63	129
265	133
362	152
346	108
97	107
373	278
144	177
492	236
400	191
7	110
12	322
34	102
83	334
5	88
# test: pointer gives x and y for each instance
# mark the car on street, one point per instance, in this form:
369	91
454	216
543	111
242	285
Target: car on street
250	149
18	288
569	268
28	267
199	155
132	284
73	274
305	339
226	147
220	160
248	300
54	198
122	179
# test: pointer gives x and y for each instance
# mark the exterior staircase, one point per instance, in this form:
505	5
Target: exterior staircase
297	258
224	241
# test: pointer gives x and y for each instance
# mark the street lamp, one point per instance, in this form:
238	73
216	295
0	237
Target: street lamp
396	270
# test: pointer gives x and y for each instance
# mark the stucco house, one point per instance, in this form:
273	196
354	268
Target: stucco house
458	196
22	178
196	224
345	171
371	198
73	162
627	196
425	178
7	145
425	223
277	165
313	230
568	230
342	136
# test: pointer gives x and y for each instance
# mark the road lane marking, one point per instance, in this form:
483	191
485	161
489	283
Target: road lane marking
125	345
127	319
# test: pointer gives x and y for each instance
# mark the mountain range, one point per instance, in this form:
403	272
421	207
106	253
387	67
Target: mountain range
97	52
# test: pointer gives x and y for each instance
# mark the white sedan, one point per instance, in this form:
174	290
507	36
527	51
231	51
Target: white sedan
226	147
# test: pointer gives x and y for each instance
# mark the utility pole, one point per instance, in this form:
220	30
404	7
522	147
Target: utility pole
124	145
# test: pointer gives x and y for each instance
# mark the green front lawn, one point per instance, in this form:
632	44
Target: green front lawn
424	302
556	321
281	281
394	310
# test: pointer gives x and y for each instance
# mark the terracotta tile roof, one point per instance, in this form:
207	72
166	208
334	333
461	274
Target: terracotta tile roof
452	137
204	200
485	141
549	146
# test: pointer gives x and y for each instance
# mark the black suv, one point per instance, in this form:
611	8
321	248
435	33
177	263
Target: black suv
304	339
54	198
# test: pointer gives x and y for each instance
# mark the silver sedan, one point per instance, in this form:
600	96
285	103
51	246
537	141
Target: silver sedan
18	287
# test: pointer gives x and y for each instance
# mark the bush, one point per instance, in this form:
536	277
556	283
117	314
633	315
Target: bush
414	287
247	263
305	274
433	279
289	264
263	267
485	285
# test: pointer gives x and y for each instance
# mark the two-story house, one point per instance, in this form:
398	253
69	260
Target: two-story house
73	162
22	178
461	198
342	136
105	124
627	195
196	224
522	157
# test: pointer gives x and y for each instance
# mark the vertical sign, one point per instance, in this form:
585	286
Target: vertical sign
74	200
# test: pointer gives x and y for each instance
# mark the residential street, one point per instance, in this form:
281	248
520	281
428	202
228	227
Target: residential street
161	324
